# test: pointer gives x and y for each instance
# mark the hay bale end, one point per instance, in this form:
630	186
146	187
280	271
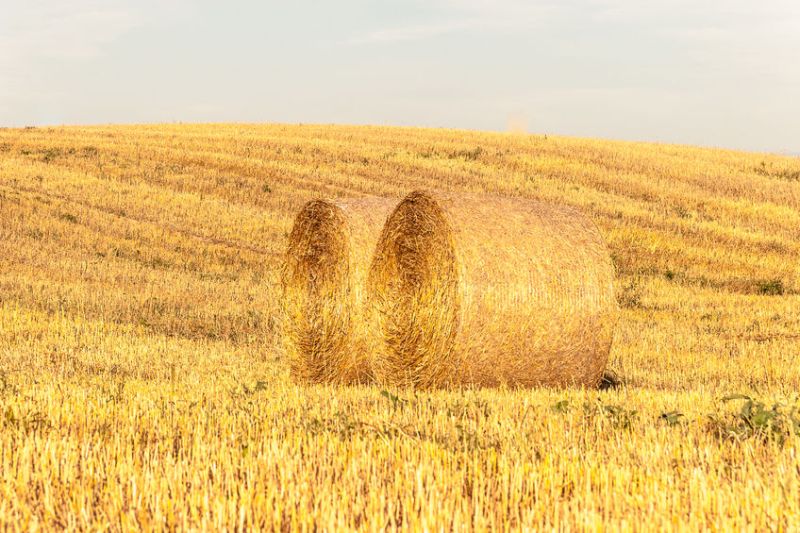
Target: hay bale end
324	332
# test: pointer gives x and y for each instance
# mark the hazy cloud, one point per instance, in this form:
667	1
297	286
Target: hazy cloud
39	37
34	35
465	15
48	29
420	31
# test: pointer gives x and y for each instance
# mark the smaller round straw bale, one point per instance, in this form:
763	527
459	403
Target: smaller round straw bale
477	289
324	333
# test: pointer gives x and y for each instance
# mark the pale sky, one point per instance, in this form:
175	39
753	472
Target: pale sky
708	72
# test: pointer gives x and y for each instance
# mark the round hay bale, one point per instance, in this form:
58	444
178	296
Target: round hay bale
476	289
324	332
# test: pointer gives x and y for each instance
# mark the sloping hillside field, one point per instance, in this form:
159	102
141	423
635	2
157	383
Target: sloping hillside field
141	387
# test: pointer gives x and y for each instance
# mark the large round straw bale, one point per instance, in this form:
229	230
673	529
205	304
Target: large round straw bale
476	289
325	335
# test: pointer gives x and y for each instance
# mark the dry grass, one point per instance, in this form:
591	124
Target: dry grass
477	289
325	332
140	387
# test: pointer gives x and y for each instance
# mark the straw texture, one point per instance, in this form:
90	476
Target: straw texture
475	289
324	330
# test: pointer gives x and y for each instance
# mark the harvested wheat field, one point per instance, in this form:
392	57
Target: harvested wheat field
144	383
486	290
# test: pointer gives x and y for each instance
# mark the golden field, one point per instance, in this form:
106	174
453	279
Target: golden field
140	386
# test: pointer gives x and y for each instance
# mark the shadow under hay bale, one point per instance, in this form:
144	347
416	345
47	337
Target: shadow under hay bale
610	380
476	289
323	329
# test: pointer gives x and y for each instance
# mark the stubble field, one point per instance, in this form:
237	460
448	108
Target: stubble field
141	387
